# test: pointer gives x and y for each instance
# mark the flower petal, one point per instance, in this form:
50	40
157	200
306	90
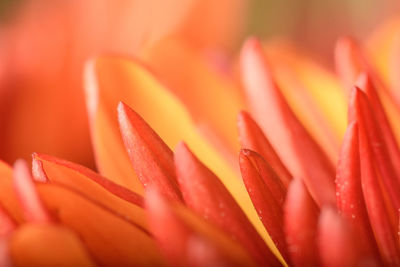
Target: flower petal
32	206
349	194
8	198
364	82
360	110
47	245
374	197
267	194
112	239
204	193
125	80
299	152
251	137
181	235
211	97
301	221
94	187
151	158
338	244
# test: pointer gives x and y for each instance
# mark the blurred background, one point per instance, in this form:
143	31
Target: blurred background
44	44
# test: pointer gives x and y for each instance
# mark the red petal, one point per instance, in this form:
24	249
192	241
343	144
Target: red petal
188	240
7	224
32	206
150	156
349	194
338	243
301	220
204	193
364	82
361	111
267	194
374	198
300	153
252	137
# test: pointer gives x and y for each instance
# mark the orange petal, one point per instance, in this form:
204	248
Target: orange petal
94	187
349	194
129	81
252	137
338	244
112	239
31	204
7	224
312	92
8	198
188	240
151	158
365	84
210	96
374	199
205	194
301	220
299	152
360	110
267	194
47	245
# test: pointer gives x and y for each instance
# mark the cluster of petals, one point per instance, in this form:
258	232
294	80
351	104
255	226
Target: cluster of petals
314	183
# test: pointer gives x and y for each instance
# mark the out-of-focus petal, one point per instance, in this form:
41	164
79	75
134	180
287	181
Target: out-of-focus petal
94	187
112	239
267	194
299	152
224	23
379	214
116	79
151	158
8	198
338	243
7	224
312	92
351	62
360	110
211	97
204	193
50	78
47	245
32	206
181	235
300	223
349	194
251	137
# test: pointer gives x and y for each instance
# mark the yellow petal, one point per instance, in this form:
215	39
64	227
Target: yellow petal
128	81
47	245
211	97
113	240
93	186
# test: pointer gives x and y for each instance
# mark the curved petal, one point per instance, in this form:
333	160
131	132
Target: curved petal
112	239
187	239
251	137
94	187
47	245
267	194
151	158
297	149
204	193
211	97
116	79
300	223
349	194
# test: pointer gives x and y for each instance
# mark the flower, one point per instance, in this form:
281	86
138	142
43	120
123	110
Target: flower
153	206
